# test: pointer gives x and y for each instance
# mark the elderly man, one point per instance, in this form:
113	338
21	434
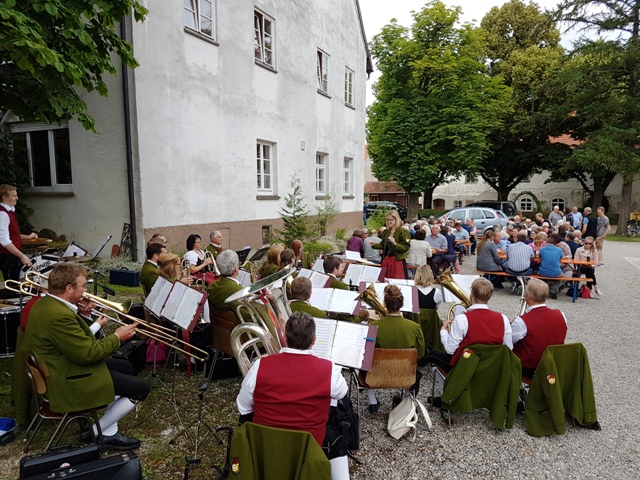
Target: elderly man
439	248
519	257
229	266
536	329
589	224
555	216
478	324
550	256
604	227
294	389
11	258
81	373
371	254
576	218
301	293
215	245
462	237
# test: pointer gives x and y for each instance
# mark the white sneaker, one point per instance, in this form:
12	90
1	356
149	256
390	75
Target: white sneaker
594	294
598	291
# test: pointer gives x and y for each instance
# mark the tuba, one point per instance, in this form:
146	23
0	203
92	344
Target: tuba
370	297
446	280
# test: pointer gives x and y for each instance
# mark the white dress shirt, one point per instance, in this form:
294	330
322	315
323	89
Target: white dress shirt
519	328
4	225
460	327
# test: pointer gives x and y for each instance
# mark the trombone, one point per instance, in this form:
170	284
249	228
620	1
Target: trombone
159	333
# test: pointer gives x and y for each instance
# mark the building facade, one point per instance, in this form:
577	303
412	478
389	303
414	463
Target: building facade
230	102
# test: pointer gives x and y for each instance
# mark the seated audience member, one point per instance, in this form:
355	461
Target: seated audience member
439	248
195	255
567	269
301	293
82	374
536	329
371	254
461	236
488	259
570	241
149	272
272	265
295	389
578	237
419	251
451	255
519	257
395	331
588	253
287	258
229	266
215	245
501	242
550	266
478	324
355	243
158	238
470	226
334	267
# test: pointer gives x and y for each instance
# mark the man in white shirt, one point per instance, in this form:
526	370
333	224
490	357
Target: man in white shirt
11	258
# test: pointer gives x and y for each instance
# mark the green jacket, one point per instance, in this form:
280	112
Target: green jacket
266	453
219	291
79	378
488	378
300	306
268	269
20	384
335	283
431	323
148	276
403	237
214	250
562	383
398	332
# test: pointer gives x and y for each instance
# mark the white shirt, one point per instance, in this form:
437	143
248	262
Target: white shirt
245	398
519	328
193	257
4	225
460	327
94	327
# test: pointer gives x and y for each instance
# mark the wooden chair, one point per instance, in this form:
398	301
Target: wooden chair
222	322
38	372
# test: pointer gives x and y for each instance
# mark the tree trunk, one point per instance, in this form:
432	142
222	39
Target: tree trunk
503	192
600	185
625	209
428	198
413	207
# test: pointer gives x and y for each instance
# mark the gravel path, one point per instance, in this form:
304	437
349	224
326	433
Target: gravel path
472	448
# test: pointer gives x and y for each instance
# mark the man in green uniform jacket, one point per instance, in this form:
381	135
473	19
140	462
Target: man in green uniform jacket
301	293
215	246
149	272
229	267
80	378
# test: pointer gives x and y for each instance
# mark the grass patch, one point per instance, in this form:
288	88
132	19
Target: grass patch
618	238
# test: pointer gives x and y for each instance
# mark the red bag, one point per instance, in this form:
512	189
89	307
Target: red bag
585	292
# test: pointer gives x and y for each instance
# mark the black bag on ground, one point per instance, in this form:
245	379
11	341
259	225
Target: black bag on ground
343	430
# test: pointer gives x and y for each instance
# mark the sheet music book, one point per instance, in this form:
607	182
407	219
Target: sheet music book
158	295
355	257
464	281
357	273
318	266
334	300
345	343
318	279
409	292
400	281
184	306
244	278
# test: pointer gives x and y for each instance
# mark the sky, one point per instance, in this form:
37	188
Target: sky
377	13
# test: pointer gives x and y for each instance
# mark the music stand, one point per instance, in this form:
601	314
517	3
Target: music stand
260	253
243	254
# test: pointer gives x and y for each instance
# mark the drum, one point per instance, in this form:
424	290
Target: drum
10	318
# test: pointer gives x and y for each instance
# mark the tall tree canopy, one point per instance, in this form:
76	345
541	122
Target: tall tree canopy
435	103
523	47
49	48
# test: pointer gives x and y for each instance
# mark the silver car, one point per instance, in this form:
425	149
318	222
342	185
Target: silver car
484	218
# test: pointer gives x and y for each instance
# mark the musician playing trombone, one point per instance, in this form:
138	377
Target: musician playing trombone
82	376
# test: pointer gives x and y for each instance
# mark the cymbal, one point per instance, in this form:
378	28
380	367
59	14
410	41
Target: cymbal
76	258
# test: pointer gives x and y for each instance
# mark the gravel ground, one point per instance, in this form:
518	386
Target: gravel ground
472	448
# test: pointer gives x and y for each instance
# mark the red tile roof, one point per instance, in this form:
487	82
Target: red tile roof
382	187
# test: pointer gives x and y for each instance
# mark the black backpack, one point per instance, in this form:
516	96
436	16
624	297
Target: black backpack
343	430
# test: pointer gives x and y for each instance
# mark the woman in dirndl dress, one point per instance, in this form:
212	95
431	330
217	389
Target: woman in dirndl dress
395	246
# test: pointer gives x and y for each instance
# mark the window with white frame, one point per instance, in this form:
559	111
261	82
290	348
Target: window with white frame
321	174
348	86
323	72
264	44
45	152
347	179
457	203
559	201
265	167
525	204
199	15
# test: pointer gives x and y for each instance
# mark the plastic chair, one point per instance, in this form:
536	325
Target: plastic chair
38	373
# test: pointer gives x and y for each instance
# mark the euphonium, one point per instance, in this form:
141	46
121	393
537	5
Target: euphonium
370	297
250	341
446	280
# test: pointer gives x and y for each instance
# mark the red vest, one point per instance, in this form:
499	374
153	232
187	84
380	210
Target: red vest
485	326
293	391
14	232
545	326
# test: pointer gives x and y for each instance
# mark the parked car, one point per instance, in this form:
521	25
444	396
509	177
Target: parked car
507	207
485	218
371	207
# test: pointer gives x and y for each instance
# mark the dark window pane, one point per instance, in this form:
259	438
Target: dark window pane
63	156
40	159
20	156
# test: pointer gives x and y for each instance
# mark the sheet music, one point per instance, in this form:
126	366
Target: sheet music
464	281
399	281
158	295
349	343
318	280
318	266
343	301
321	297
354	273
182	305
325	332
355	256
370	274
407	293
305	272
244	278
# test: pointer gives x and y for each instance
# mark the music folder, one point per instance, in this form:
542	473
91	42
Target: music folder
318	279
335	300
345	343
356	273
409	293
176	303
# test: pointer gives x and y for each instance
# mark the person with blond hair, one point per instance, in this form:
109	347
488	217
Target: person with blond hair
272	265
395	246
11	258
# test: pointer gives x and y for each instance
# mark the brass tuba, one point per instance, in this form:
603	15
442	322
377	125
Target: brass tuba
370	297
446	280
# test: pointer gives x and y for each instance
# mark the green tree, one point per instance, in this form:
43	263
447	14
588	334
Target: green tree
435	104
295	215
523	47
602	95
49	50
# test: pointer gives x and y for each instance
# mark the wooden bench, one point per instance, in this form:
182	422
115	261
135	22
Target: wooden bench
575	280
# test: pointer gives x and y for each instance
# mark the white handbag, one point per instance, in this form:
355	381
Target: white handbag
404	418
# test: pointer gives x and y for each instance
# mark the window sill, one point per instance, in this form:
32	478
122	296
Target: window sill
46	192
348	197
323	197
201	36
267	197
266	66
348	105
323	93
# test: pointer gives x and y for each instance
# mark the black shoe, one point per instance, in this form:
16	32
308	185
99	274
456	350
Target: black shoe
120	442
553	295
396	401
434	401
374	407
